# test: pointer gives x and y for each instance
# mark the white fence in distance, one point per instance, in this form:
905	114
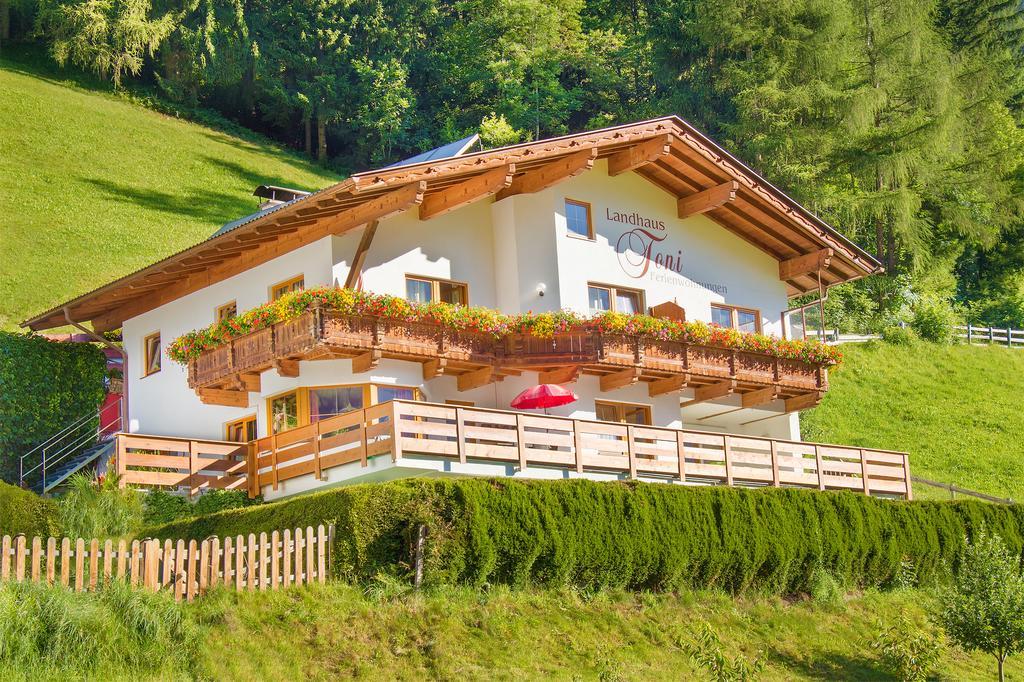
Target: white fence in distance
1007	336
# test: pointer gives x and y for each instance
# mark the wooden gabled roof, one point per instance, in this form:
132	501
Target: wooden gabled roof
667	151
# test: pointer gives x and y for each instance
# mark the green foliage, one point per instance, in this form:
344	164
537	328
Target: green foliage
899	336
925	400
98	508
826	589
160	506
116	630
933	320
22	511
644	536
707	653
111	37
910	653
496	131
43	386
984	610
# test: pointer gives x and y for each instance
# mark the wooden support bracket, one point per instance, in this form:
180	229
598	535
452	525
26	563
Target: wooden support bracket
246	381
669	385
639	155
466	192
711	392
220	396
803	402
805	265
434	368
708	200
626	377
560	375
550	174
476	378
762	396
356	269
286	368
366	361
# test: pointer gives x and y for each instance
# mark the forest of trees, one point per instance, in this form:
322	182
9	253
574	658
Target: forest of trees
898	121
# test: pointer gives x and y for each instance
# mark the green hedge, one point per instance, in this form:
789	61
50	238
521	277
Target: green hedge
626	535
25	512
43	386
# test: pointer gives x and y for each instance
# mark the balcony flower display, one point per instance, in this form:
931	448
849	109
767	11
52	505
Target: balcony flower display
487	321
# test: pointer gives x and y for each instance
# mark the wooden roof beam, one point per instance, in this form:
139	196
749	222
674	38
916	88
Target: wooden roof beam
709	199
356	269
802	402
759	397
461	194
378	208
219	396
475	378
620	379
639	155
672	384
559	375
550	174
805	265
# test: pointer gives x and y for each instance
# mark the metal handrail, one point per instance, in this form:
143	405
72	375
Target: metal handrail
69	440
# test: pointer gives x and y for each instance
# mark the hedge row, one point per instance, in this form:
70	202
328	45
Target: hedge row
626	535
25	512
44	385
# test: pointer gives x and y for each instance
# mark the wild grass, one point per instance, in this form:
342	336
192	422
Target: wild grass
50	632
95	187
955	409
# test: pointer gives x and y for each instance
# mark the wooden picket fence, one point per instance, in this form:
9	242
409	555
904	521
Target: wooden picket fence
187	568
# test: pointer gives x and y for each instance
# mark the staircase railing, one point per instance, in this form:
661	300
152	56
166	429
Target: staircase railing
71	441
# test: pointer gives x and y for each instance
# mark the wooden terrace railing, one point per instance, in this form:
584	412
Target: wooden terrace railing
407	430
168	462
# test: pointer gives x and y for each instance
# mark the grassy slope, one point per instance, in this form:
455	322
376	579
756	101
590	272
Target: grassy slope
336	631
956	410
93	187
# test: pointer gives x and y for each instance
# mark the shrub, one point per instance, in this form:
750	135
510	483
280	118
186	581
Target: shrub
43	386
647	536
160	506
933	320
984	610
116	630
908	652
97	507
22	511
899	336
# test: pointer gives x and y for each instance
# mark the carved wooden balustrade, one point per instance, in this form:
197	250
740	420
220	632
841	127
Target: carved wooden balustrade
325	334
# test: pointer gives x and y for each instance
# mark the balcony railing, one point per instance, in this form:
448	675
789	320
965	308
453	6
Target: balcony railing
408	431
321	333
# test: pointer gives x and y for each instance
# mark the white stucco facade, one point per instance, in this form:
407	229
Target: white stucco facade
506	252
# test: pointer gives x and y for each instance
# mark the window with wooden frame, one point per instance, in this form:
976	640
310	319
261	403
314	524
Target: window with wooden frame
605	297
623	413
241	430
226	311
734	317
428	289
287	286
311	404
151	354
578	222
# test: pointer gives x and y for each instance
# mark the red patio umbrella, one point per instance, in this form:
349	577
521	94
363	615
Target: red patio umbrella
543	396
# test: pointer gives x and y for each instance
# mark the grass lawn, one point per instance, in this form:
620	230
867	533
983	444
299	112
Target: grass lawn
338	632
956	409
93	187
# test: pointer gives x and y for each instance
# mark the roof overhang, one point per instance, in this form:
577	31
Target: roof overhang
666	151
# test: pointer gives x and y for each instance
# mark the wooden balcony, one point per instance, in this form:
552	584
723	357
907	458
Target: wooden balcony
224	374
412	436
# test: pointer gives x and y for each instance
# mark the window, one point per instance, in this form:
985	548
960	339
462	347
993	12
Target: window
226	311
602	297
284	412
577	219
623	413
731	317
151	347
241	430
335	400
286	287
427	289
305	406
